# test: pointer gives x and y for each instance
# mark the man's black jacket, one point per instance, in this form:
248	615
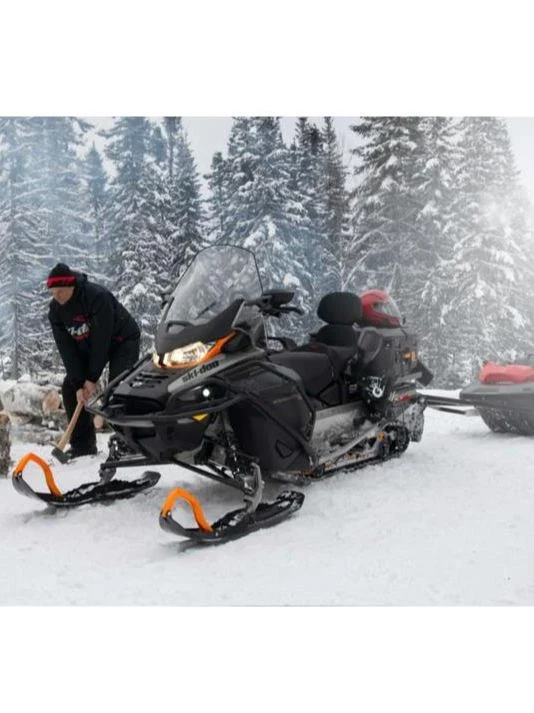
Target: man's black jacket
88	328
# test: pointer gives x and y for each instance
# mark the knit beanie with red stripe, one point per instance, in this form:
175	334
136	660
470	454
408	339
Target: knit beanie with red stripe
61	276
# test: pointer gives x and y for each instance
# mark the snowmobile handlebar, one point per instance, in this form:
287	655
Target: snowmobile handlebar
273	304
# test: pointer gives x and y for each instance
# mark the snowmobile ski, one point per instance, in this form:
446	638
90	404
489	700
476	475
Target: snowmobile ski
102	491
234	524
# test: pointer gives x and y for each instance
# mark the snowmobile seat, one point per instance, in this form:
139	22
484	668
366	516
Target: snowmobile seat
320	368
340	310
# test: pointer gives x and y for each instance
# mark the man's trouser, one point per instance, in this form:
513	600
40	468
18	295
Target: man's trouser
123	356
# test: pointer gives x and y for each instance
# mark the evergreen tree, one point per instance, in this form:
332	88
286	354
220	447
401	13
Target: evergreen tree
16	246
431	287
96	187
236	214
257	208
46	203
172	126
59	201
217	179
136	222
186	217
158	146
386	205
336	221
306	196
487	313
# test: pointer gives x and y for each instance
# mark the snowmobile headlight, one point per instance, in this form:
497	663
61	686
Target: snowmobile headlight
185	356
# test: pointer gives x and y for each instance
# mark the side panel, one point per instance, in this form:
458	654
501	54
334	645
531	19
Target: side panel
260	424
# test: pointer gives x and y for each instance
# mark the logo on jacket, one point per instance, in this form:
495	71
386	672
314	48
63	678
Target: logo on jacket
79	331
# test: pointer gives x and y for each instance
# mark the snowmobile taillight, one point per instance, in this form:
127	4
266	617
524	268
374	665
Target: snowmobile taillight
196	507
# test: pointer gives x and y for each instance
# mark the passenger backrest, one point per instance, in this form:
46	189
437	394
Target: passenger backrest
341	310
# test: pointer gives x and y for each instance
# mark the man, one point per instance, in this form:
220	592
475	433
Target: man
91	328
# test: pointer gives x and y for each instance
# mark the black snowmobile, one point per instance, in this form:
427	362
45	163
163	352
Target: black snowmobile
228	401
503	396
222	399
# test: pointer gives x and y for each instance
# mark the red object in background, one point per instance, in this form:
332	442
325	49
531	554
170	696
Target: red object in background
379	309
492	373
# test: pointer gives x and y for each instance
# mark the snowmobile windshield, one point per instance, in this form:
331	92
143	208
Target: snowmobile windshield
215	279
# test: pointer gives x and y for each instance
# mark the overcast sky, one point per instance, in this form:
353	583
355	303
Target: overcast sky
210	134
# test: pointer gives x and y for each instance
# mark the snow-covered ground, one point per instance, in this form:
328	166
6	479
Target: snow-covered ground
449	523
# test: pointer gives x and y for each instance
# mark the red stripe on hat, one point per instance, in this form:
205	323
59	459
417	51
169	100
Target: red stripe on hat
61	280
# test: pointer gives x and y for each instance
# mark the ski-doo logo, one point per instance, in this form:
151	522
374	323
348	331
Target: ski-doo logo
200	370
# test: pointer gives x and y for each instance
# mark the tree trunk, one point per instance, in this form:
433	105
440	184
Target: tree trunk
34	400
5	444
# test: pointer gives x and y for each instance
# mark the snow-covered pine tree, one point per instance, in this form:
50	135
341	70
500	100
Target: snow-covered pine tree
236	214
136	222
385	205
434	224
514	217
308	201
60	199
171	126
52	211
336	221
158	146
523	225
487	317
261	213
16	245
186	214
96	179
216	197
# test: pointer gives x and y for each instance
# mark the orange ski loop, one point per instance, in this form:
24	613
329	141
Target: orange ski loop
23	462
196	507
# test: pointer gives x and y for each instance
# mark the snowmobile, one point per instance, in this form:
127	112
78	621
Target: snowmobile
503	396
227	400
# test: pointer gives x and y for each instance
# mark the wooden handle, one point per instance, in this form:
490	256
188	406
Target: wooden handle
65	438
